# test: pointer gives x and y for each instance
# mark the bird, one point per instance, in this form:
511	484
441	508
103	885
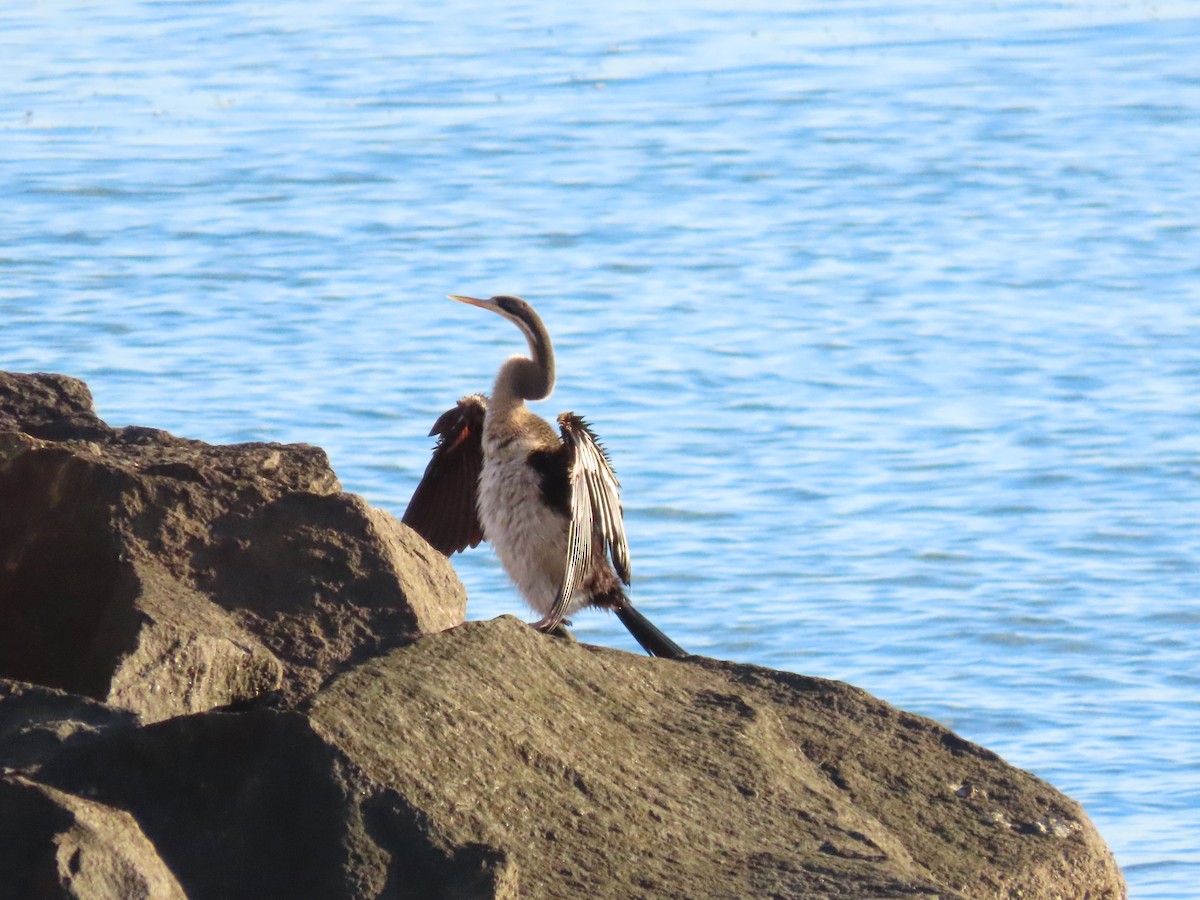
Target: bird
548	502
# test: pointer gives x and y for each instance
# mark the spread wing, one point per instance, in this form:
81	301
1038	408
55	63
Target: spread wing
597	526
442	509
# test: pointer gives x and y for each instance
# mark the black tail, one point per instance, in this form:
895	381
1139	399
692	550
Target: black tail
647	634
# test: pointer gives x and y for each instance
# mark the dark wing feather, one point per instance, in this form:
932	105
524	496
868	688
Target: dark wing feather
597	525
442	509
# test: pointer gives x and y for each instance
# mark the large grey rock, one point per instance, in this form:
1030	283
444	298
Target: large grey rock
169	576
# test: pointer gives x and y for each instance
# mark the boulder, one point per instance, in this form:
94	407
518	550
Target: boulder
493	761
169	576
255	803
37	722
60	845
601	773
237	681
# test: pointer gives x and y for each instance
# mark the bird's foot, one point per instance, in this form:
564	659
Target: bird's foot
559	630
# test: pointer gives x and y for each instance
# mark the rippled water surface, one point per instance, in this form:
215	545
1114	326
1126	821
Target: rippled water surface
888	313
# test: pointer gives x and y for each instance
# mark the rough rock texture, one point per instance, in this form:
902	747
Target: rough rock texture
170	576
146	580
601	773
60	845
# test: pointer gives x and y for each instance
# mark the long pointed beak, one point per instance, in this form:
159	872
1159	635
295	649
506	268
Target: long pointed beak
474	301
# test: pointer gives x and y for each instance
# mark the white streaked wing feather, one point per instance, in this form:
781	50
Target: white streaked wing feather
579	546
597	524
604	492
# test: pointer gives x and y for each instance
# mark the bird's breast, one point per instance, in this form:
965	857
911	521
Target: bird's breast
529	536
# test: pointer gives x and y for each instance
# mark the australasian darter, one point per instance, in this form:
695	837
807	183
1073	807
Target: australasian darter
548	503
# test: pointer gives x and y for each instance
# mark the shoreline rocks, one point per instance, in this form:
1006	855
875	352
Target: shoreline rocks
221	676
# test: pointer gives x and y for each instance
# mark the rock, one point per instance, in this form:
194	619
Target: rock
251	804
157	588
59	845
600	773
37	722
53	407
169	576
574	771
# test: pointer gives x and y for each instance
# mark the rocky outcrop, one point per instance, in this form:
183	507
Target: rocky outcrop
225	678
169	576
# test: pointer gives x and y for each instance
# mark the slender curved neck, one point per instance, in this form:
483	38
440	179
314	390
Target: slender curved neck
522	378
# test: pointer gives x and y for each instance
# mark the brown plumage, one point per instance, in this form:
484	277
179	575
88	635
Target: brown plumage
442	509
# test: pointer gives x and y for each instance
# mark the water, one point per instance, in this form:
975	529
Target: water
888	313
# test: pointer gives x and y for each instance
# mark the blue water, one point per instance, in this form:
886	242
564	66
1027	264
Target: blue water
888	313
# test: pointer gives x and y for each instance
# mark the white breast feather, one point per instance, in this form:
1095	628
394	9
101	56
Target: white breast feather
529	537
